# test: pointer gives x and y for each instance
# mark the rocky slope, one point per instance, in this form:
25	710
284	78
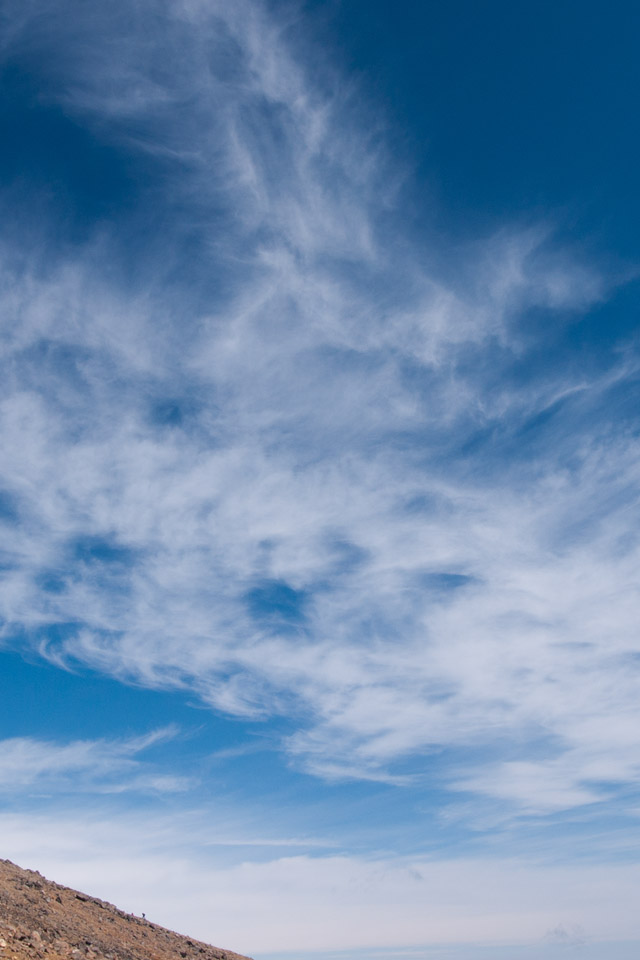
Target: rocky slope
40	919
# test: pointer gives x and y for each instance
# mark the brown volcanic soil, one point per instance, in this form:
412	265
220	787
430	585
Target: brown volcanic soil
40	919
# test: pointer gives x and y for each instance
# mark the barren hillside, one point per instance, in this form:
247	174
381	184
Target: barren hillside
41	919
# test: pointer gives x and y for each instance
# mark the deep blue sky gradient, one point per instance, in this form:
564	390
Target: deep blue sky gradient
507	108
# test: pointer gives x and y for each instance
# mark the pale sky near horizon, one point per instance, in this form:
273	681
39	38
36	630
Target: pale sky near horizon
319	473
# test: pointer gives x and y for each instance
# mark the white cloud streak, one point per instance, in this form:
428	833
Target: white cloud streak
94	766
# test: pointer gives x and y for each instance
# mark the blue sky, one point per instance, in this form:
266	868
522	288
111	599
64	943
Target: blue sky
319	475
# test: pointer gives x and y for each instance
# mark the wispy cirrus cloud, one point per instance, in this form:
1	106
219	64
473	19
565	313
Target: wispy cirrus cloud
301	472
93	766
